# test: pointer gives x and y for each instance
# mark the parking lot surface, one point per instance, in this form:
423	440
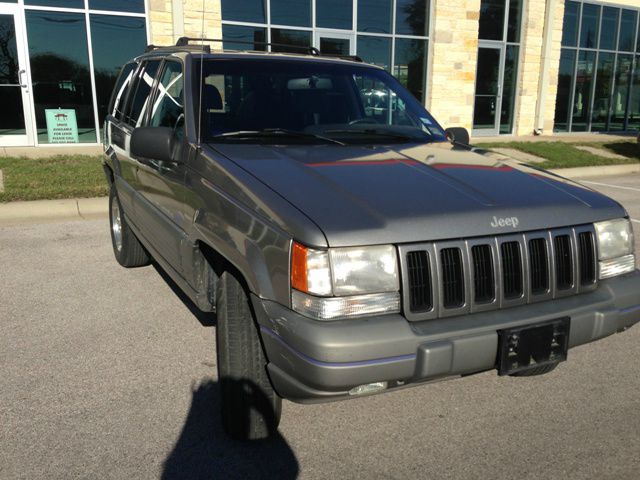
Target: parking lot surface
107	373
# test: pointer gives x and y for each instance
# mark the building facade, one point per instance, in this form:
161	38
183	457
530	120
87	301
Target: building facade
496	67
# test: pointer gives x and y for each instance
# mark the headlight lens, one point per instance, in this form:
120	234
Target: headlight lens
615	238
364	270
345	282
615	247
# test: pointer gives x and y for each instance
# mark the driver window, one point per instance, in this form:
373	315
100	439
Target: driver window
168	107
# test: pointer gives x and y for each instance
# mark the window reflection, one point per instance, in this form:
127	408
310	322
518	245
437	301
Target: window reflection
291	12
410	65
582	95
492	13
56	3
590	20
621	92
334	14
374	16
376	50
253	37
244	10
298	39
60	69
133	6
627	30
565	76
114	40
570	24
604	82
609	28
412	17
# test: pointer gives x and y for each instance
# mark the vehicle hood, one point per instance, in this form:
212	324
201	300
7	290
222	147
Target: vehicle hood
376	195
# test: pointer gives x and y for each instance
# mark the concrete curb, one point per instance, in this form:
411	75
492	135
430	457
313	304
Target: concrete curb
599	171
53	210
87	208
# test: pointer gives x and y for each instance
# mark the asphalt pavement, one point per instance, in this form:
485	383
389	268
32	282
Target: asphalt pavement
107	373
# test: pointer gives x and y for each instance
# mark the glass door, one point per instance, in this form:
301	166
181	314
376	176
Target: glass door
488	97
334	43
15	111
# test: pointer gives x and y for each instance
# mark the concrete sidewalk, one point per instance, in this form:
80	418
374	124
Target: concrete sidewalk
14	213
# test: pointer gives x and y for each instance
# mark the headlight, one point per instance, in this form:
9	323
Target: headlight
615	247
345	282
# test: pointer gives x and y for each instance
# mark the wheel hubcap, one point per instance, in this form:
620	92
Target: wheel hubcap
116	224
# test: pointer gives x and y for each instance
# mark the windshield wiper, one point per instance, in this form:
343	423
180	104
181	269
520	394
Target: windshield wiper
274	133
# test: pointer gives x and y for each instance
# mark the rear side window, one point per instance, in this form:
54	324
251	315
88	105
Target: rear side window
168	106
141	88
119	95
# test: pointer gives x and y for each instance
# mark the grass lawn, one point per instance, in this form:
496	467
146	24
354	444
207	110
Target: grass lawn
62	176
566	155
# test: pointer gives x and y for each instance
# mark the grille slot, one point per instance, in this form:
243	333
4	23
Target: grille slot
483	281
587	258
564	263
452	278
539	266
420	291
511	270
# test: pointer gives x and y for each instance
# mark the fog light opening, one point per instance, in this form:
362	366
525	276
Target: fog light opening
368	388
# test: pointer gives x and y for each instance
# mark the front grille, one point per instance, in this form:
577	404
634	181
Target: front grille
564	262
511	270
452	278
587	258
539	266
527	268
420	281
483	281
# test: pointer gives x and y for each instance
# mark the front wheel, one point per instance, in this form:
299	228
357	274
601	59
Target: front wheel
127	249
250	406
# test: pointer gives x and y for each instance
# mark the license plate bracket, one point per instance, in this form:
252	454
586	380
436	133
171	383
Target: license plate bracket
532	346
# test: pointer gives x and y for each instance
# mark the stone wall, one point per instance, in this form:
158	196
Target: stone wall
452	70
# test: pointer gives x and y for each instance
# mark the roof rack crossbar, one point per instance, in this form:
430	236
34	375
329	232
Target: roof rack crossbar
185	41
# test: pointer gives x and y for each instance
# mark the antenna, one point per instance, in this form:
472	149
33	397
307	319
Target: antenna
200	99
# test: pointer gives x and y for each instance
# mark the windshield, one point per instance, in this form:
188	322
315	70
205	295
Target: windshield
292	102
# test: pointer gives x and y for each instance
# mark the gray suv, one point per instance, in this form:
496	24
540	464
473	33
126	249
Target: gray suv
344	242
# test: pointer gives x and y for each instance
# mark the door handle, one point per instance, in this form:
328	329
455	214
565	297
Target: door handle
20	74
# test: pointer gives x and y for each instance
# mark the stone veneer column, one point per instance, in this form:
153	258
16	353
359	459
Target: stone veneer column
165	29
452	70
532	57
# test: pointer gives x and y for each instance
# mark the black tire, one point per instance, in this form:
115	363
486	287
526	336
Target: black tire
250	407
536	371
127	249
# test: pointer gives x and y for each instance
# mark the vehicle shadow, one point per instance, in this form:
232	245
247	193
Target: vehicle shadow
205	319
204	451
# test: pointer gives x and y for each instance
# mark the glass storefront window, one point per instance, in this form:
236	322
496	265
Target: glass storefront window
291	12
590	21
297	38
412	17
604	82
374	16
582	93
609	28
60	74
132	6
563	98
56	3
570	24
256	36
410	65
115	40
492	14
509	88
515	16
244	10
376	50
334	14
624	67
634	109
628	25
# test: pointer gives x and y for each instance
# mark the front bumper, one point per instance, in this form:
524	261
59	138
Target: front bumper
315	361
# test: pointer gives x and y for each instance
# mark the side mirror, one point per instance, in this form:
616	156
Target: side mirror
458	135
153	143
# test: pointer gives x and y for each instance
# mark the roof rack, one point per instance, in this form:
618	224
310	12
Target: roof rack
176	48
185	43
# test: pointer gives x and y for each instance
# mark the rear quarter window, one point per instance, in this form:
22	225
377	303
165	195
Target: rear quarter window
119	94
